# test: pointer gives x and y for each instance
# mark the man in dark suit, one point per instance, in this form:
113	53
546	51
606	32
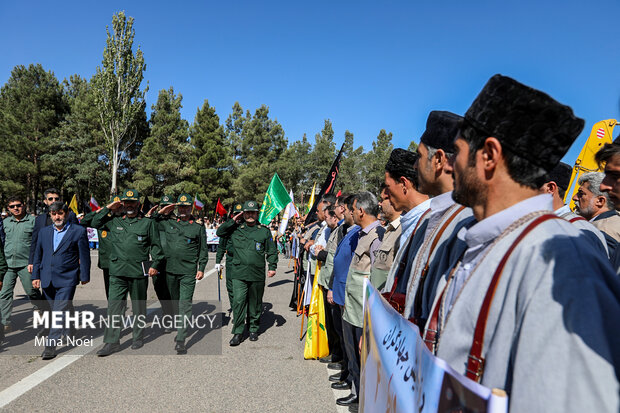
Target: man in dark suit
43	220
61	261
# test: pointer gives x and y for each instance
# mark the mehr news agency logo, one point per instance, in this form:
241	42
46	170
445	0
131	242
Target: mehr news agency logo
65	320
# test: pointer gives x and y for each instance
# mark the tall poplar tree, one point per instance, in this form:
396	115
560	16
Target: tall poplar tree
118	96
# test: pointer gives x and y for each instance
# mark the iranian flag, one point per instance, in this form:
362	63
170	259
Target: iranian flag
198	205
94	206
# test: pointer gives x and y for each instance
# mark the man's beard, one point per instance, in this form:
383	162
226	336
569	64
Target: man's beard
587	212
468	191
59	224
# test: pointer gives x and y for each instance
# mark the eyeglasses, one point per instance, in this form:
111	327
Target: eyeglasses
53	198
15	206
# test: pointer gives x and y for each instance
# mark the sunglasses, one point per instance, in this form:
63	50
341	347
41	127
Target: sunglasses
51	198
15	206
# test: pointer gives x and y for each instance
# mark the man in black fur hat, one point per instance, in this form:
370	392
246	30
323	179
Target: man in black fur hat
526	306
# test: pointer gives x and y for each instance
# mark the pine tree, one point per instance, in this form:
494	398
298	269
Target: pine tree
213	156
74	159
295	167
31	107
323	154
376	160
262	145
165	165
352	177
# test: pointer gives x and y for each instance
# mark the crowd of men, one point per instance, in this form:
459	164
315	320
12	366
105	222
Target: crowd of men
50	255
471	241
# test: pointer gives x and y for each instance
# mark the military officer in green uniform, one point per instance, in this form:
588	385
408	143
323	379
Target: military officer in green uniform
135	237
160	284
186	258
222	248
3	269
104	245
251	244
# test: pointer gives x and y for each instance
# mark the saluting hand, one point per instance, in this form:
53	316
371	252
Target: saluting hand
200	275
153	272
114	205
271	273
167	209
148	214
237	217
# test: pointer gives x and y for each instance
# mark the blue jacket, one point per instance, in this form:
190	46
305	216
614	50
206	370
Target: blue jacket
66	266
342	261
42	221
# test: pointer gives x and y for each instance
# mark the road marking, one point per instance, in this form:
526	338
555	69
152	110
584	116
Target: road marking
28	383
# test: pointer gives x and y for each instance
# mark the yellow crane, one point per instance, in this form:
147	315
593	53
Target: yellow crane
600	135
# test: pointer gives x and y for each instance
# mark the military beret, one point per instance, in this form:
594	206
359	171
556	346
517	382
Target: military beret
560	175
166	200
250	206
185	199
527	122
130	195
441	129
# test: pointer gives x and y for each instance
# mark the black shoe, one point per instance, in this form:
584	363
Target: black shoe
168	330
137	344
327	359
341	385
43	332
336	366
335	377
235	341
253	336
347	401
180	347
49	353
354	408
8	328
108	349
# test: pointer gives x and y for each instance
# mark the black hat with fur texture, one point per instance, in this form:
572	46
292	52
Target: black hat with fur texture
527	122
441	129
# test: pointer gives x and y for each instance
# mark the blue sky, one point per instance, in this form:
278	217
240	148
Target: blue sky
365	65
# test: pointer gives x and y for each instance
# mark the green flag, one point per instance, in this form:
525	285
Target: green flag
275	200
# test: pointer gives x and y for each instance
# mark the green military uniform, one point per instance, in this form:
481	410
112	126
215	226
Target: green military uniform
222	248
105	244
134	238
160	284
3	269
186	253
250	245
17	251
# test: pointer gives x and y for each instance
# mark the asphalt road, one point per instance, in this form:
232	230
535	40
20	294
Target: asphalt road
269	375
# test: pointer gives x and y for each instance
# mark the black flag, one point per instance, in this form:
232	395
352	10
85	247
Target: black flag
146	205
327	188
